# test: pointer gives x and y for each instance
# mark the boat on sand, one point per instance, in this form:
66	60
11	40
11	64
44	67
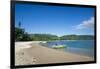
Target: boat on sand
58	46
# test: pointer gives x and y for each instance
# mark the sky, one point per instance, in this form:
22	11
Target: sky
56	20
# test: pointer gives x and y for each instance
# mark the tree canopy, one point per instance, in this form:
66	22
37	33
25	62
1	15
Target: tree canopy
21	35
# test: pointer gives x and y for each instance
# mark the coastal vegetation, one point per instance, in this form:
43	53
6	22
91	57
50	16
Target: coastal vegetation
22	35
77	37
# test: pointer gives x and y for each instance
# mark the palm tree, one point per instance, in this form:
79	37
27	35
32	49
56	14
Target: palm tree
19	24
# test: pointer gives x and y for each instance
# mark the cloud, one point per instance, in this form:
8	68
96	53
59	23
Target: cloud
86	24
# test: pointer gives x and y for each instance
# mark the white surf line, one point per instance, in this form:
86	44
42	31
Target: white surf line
22	45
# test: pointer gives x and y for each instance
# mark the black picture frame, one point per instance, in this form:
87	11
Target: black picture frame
12	48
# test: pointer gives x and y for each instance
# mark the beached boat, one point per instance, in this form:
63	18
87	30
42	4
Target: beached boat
58	46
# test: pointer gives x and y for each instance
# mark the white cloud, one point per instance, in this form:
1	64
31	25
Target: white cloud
86	24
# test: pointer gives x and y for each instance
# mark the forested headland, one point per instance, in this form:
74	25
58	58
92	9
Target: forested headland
22	35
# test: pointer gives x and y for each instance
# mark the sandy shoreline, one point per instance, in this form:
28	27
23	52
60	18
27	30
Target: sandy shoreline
27	53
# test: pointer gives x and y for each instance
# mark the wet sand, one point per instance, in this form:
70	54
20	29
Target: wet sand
33	53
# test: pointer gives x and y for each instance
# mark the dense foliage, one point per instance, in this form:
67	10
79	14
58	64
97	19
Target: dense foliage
21	35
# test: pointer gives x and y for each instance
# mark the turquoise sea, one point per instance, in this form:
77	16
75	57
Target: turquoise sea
81	47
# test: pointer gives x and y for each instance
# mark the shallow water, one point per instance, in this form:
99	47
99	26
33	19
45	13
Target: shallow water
82	47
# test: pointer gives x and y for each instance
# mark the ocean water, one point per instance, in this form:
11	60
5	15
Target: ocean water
81	47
